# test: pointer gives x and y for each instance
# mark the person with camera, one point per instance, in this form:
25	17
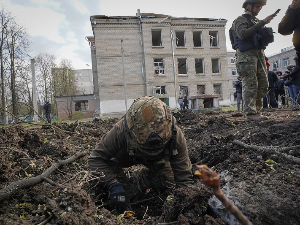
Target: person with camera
250	55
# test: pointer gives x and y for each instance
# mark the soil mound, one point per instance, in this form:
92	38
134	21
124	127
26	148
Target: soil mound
258	162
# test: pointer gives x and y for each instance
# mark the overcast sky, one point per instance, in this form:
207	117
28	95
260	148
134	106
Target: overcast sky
59	27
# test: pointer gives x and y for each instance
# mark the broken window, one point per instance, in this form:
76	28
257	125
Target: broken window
233	72
156	38
201	89
180	40
160	90
197	37
214	39
183	90
285	62
232	60
182	67
218	89
215	65
199	66
81	105
159	66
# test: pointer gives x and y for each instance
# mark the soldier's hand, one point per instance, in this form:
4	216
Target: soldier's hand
117	197
269	18
295	4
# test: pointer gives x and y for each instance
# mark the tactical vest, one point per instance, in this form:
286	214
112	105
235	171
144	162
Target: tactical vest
169	149
259	40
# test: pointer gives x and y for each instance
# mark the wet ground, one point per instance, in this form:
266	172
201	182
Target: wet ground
258	162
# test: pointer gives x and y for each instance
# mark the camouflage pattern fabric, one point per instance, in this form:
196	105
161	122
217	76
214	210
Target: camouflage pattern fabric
251	66
262	2
147	115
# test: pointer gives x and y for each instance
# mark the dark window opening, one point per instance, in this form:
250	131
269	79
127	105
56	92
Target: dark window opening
215	65
197	37
182	67
183	90
214	39
199	66
156	38
180	41
160	90
201	89
81	105
218	89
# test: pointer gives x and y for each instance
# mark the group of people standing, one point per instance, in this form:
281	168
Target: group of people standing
183	102
249	37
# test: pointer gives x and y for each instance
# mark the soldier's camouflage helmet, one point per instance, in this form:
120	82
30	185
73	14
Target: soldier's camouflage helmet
262	2
150	122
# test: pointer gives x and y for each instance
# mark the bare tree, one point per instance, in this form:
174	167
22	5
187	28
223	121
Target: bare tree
64	83
45	62
5	17
17	44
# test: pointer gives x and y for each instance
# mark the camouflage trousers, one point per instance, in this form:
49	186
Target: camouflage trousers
251	66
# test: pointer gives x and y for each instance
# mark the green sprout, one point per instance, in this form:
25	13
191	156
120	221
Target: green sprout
22	217
270	163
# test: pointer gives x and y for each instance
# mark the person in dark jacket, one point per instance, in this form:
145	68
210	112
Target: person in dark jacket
288	81
47	109
279	88
239	93
269	99
295	75
147	135
185	102
291	23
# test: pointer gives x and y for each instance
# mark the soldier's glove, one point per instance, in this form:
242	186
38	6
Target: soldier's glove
117	197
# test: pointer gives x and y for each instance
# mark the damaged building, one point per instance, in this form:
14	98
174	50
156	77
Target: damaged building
159	55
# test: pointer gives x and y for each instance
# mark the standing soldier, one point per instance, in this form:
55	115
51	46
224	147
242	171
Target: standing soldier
251	40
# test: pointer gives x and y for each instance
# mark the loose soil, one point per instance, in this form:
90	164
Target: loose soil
258	162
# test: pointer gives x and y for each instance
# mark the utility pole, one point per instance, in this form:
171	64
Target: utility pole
35	117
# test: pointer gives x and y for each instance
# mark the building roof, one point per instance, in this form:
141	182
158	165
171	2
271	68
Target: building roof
153	15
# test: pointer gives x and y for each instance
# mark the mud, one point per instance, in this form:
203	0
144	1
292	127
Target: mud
262	182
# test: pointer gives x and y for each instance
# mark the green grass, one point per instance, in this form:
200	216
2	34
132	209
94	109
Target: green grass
230	108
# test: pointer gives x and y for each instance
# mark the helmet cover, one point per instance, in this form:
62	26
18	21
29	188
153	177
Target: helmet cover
150	122
262	2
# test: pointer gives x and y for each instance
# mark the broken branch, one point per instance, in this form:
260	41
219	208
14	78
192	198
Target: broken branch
15	186
267	148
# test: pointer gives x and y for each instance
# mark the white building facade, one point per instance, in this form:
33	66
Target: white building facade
159	55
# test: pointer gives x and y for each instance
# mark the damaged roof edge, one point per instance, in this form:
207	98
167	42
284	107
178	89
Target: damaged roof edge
152	15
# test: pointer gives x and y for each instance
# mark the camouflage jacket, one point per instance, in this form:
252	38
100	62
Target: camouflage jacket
244	29
114	145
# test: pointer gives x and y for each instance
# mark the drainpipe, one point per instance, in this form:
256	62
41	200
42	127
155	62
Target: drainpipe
174	69
143	52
